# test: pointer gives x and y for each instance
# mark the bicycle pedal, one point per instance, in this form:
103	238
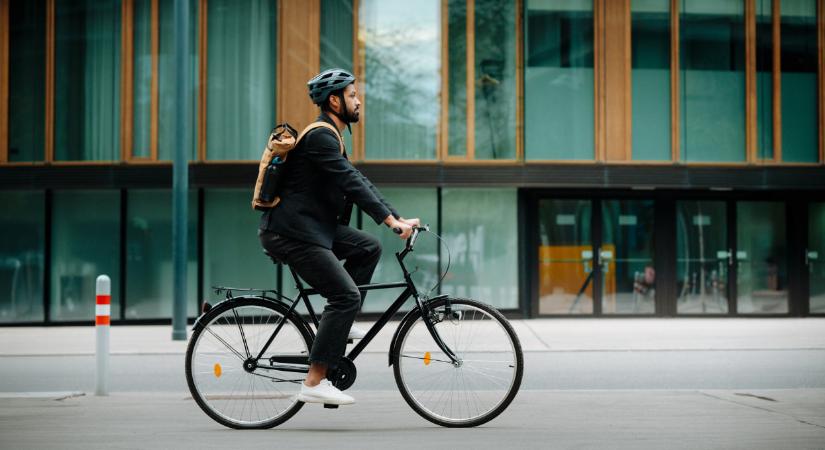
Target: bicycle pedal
327	405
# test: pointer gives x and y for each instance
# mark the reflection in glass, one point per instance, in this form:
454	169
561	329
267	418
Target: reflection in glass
21	258
764	81
142	81
626	257
712	80
761	255
565	257
479	225
402	79
85	244
558	101
26	72
232	254
457	81
240	82
701	257
336	41
149	269
409	202
815	256
167	65
495	78
87	80
650	52
799	90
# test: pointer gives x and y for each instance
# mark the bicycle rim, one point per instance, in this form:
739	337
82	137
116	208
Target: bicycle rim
222	388
474	391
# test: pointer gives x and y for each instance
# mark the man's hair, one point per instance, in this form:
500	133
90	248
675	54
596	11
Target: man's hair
325	106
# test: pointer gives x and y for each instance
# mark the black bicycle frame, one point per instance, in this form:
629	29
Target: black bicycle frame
410	290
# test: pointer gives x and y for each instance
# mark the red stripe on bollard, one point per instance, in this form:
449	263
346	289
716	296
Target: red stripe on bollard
102	320
103	299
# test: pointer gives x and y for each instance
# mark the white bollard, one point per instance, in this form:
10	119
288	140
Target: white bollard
103	300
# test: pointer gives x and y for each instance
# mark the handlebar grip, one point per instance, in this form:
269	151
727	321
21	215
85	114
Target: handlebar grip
396	230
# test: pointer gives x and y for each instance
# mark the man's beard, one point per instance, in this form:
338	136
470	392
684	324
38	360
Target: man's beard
352	117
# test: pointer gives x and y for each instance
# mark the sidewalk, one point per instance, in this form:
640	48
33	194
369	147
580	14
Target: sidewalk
536	335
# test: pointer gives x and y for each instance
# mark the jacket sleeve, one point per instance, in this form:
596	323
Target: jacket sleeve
377	193
322	149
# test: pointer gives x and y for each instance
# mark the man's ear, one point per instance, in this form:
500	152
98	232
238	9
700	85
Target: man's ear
334	100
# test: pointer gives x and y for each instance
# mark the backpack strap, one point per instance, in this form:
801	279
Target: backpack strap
320	124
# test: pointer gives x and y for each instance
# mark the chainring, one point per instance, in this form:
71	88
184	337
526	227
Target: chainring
344	375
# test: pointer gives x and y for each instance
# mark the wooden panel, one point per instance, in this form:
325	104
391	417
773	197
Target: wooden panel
598	79
776	80
471	80
4	81
750	81
674	80
299	48
617	88
155	100
49	110
127	75
203	13
519	80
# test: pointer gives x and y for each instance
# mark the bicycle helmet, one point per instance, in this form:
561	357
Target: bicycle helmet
327	82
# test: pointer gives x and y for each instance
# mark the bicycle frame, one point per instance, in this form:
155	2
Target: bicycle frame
287	363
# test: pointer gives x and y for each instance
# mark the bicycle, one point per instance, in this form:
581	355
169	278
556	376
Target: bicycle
457	362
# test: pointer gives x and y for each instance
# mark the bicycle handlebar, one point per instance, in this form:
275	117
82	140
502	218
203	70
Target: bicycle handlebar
415	230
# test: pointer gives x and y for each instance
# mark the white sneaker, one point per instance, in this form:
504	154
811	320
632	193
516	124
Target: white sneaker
325	393
356	333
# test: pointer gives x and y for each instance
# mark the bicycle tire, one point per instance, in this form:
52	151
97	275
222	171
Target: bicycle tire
413	376
258	329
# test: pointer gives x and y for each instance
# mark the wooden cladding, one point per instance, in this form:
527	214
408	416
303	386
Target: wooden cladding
299	59
616	69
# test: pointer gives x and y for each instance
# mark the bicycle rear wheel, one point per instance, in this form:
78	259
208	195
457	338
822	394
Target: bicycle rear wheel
230	336
480	386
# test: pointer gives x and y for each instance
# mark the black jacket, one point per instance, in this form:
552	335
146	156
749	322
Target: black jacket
318	189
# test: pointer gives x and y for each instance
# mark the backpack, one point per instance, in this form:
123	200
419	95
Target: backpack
282	140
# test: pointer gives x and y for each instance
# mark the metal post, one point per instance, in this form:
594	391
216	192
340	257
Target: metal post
103	300
180	181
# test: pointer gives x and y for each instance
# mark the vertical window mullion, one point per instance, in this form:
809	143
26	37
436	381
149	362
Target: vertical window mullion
155	101
127	80
4	81
471	75
674	81
777	79
49	113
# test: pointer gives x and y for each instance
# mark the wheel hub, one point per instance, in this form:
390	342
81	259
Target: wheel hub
250	365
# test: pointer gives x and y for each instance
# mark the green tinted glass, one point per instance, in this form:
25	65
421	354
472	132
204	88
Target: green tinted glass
26	71
21	258
799	90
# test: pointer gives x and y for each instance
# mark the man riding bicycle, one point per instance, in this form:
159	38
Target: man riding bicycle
309	229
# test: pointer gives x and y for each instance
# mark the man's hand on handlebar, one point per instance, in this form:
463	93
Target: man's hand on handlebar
397	225
411	222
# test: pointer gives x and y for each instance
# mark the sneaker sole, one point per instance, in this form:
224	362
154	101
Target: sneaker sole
327	401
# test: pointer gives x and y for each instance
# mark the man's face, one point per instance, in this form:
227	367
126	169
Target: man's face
353	104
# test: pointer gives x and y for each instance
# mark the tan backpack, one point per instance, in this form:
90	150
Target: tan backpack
281	141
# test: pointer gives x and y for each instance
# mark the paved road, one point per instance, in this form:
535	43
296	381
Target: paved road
728	369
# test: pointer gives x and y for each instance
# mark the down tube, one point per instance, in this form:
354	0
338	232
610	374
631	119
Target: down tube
396	305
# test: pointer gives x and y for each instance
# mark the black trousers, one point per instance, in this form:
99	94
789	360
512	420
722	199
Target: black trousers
321	269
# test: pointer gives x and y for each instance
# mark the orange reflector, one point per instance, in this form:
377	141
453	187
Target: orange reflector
217	370
427	359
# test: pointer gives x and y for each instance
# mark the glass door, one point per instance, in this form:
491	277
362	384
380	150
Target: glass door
761	258
815	257
566	272
703	257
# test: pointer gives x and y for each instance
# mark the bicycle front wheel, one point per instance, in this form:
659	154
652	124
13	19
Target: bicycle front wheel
476	389
226	378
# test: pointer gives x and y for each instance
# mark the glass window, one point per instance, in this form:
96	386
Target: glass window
457	81
495	79
336	41
85	244
712	80
701	257
409	202
240	80
650	61
558	100
764	80
402	78
626	257
167	65
479	225
87	80
21	258
815	257
799	90
761	255
232	254
142	81
26	71
149	269
565	257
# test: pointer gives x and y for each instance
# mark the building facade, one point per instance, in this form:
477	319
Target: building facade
579	158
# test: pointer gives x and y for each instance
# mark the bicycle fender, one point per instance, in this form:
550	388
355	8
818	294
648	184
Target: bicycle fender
410	316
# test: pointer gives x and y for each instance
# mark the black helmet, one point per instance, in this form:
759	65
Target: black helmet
327	82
